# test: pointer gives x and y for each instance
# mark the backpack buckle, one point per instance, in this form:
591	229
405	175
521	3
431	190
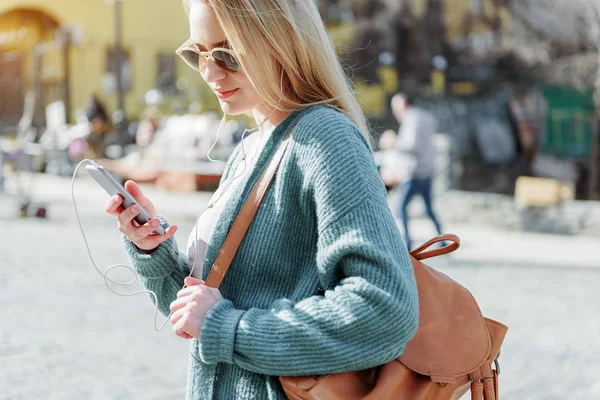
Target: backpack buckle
497	364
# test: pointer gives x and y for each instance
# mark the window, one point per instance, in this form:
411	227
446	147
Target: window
166	72
11	87
478	7
110	80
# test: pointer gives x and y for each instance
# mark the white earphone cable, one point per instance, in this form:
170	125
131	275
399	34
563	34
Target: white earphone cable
229	182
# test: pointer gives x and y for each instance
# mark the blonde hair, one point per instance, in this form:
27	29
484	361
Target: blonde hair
293	37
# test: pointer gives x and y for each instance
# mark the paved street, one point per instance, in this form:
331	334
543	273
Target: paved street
64	335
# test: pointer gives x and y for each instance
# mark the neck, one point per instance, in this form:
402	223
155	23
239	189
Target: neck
273	117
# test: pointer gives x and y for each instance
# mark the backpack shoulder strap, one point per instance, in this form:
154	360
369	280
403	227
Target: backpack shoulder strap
244	218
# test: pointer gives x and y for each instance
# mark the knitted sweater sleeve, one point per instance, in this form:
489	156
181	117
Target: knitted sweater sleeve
370	307
162	271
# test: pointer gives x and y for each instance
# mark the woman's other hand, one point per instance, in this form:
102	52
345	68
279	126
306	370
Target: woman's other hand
192	304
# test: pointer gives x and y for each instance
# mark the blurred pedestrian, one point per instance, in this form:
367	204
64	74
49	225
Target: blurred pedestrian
319	283
417	154
388	161
147	127
97	116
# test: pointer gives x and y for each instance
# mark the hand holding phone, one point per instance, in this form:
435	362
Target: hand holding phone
136	214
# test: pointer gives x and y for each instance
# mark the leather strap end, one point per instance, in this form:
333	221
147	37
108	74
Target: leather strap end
420	253
477	390
488	389
496	390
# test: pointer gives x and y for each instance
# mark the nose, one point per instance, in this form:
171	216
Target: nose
213	73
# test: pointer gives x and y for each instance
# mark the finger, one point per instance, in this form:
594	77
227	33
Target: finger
137	194
191	281
176	315
178	304
187	291
183	297
141	232
125	220
190	290
185	336
127	216
113	206
153	240
179	328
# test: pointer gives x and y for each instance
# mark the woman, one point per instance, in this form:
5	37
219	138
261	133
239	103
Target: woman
321	282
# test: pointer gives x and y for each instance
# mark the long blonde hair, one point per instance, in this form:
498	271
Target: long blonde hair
292	35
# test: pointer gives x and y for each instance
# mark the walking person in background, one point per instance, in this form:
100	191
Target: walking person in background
321	282
416	148
97	116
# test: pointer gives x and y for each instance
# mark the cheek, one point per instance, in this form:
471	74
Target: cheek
250	94
242	81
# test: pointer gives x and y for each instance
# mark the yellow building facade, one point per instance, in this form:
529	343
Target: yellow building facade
151	32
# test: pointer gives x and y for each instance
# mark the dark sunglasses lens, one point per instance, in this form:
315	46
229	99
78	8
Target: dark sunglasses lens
191	58
226	61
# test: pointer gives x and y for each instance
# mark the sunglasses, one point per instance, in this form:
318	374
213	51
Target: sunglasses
196	59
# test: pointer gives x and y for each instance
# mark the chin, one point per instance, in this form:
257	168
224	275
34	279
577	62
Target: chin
231	108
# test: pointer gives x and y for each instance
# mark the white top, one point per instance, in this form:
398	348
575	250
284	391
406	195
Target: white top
253	146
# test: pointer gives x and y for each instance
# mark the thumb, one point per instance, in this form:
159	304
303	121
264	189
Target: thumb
191	281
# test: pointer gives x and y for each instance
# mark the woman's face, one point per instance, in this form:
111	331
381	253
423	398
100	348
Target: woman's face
233	89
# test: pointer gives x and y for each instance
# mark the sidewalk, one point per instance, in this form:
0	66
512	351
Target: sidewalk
515	248
69	337
482	238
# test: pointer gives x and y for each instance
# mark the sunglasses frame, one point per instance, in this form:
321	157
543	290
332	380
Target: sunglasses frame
208	55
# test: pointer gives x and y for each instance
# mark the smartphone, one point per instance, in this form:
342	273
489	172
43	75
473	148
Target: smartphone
113	187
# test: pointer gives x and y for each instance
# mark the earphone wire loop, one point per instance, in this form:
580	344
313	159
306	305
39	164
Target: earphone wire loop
105	273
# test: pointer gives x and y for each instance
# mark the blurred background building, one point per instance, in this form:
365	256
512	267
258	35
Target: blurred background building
515	85
64	50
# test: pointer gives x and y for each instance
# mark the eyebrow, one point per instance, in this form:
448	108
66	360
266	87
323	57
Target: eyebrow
219	44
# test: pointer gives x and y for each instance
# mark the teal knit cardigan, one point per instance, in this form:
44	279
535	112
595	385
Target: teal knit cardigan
324	223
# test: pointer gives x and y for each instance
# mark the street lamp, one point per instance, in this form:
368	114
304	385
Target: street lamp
120	120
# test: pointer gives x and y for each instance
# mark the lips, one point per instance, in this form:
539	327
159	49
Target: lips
225	94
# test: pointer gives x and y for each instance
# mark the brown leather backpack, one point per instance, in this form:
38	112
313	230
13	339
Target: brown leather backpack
453	350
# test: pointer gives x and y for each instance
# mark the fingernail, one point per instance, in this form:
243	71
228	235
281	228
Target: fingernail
115	199
135	209
154	223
